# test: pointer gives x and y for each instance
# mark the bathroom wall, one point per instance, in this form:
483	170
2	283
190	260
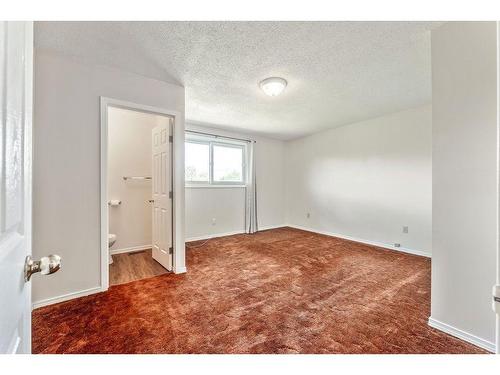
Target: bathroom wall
66	166
129	154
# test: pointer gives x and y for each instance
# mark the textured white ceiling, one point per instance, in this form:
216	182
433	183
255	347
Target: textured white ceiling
337	72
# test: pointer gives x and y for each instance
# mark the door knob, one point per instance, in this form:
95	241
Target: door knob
45	265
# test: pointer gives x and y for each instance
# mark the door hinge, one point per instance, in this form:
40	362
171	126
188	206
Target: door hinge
170	250
171	138
171	194
496	299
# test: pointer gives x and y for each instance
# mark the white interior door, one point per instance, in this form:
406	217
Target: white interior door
162	198
16	67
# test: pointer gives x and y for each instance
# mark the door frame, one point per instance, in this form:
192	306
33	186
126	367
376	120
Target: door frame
177	174
497	318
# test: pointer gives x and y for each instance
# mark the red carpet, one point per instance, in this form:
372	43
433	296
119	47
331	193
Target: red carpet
278	291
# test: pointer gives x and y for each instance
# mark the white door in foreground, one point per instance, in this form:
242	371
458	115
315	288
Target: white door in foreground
16	67
162	213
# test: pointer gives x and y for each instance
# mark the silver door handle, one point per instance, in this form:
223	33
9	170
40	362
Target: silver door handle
46	266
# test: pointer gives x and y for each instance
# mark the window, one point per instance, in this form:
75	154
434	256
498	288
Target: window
214	162
197	162
227	163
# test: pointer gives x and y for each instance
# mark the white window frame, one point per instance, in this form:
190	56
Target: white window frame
243	164
201	142
207	140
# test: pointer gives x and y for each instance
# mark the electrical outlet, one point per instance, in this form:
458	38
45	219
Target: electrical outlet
308	215
214	221
405	229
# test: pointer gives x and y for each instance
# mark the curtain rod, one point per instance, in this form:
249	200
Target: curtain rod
219	136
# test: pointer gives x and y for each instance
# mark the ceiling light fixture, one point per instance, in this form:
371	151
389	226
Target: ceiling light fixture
273	86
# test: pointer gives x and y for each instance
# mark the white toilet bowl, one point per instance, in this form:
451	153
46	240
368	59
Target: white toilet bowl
111	242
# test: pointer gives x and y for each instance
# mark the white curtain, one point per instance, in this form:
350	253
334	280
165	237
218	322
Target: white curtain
251	198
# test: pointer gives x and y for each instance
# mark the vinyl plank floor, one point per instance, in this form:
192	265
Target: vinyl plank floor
134	266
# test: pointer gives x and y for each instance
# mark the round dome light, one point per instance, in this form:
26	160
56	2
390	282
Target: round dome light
273	86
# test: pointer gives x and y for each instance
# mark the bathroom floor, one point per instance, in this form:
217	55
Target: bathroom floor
133	266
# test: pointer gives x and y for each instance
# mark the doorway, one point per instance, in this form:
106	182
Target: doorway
137	211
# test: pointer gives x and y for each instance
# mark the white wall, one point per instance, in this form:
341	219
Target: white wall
66	211
129	154
227	204
365	180
224	204
464	177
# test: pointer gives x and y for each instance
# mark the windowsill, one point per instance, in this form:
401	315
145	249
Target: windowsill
215	186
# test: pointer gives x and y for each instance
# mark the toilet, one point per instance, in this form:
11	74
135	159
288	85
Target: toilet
111	242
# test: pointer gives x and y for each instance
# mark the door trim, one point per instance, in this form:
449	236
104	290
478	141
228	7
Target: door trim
177	182
497	318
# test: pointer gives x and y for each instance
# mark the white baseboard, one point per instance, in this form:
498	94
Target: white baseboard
66	297
180	270
129	249
367	242
272	227
446	328
209	236
216	235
